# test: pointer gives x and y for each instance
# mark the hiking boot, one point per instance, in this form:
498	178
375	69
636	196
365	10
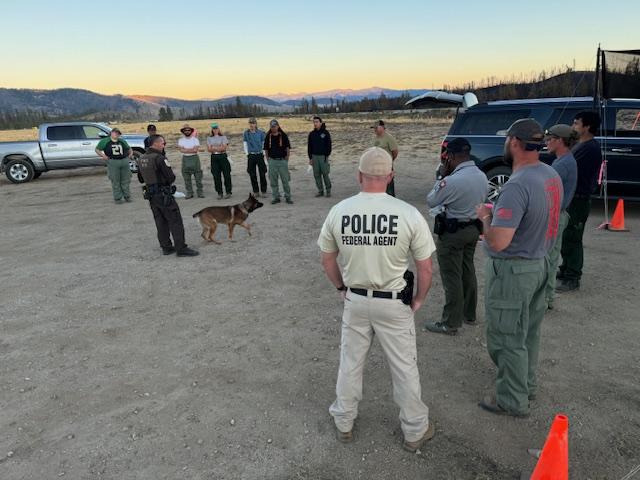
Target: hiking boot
128	199
187	252
119	201
188	196
220	197
264	195
418	444
328	194
568	285
228	195
470	322
289	201
200	195
319	194
490	404
168	250
440	327
344	437
274	201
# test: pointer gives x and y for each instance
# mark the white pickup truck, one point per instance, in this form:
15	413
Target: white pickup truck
60	146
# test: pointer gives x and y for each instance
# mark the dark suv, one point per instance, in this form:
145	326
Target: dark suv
484	125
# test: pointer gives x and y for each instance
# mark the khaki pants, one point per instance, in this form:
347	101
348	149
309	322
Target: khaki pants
392	321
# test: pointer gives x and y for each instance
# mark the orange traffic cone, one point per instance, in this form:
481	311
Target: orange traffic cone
617	222
554	459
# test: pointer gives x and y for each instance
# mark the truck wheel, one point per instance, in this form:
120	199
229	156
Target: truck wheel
19	171
133	162
497	176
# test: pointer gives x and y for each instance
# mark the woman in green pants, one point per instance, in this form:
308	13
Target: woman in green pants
217	145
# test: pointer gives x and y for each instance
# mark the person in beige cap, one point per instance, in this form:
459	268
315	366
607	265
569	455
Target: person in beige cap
189	146
376	235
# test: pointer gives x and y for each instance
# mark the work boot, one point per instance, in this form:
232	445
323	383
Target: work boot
168	250
200	195
319	194
568	285
328	194
490	404
274	201
289	201
119	201
220	197
188	196
470	322
440	327
187	252
128	199
418	444
228	195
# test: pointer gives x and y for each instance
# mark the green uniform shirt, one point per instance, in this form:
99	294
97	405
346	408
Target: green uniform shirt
119	149
386	142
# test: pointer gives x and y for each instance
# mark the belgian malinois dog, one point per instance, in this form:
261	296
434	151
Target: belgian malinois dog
232	215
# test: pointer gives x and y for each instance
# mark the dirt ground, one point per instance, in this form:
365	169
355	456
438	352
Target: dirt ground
119	363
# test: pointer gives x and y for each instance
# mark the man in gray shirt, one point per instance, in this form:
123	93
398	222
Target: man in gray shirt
560	139
518	234
463	187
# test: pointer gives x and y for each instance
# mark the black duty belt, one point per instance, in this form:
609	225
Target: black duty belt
374	293
466	224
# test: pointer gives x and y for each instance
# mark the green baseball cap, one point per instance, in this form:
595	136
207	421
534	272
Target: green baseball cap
214	125
560	130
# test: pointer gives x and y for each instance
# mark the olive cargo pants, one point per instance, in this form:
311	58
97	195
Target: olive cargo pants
553	258
321	169
220	167
279	169
455	258
191	166
120	175
572	248
514	309
392	321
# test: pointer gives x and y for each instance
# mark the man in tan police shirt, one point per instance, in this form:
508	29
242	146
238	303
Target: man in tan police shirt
375	235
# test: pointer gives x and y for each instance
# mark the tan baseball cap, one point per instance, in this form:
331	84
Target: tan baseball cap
560	130
375	161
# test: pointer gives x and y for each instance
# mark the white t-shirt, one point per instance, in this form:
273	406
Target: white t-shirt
376	234
189	142
218	140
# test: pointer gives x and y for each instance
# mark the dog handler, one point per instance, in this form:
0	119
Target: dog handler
375	236
155	172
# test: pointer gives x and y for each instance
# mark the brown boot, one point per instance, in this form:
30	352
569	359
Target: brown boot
344	437
414	446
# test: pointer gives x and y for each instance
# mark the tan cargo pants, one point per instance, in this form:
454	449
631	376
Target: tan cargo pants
392	321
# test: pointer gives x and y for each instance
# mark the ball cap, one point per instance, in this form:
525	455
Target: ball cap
116	130
274	123
375	161
458	145
215	125
561	131
253	120
527	130
379	123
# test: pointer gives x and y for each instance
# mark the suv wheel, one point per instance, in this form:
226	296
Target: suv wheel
19	171
497	176
133	162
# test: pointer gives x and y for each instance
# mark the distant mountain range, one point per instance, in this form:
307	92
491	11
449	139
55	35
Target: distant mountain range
66	102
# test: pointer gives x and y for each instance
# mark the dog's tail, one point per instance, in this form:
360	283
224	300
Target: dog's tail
197	214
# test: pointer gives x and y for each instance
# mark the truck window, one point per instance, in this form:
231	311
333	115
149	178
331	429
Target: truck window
488	123
65	132
563	115
92	132
628	122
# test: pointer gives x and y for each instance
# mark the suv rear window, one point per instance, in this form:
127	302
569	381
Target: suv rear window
488	123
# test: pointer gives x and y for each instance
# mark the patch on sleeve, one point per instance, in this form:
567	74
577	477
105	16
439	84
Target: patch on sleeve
504	213
443	183
166	162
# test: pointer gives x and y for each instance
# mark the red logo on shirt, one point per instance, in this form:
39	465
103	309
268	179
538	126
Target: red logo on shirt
553	191
504	213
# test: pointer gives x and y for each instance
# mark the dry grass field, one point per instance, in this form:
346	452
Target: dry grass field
119	363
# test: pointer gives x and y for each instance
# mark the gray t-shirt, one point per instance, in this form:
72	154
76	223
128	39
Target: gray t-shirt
529	202
460	192
567	168
217	140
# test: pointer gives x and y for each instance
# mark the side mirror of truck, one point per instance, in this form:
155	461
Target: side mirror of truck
103	134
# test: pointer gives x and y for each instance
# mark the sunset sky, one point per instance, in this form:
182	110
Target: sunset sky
202	49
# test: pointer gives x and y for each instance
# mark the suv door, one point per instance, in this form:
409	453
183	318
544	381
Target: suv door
92	135
63	147
622	146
